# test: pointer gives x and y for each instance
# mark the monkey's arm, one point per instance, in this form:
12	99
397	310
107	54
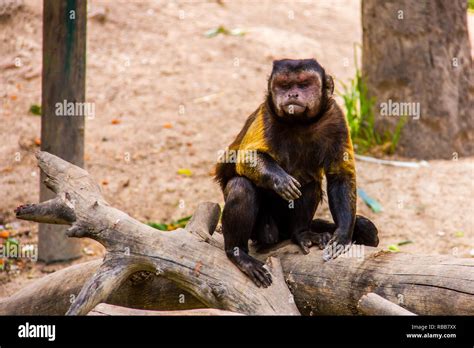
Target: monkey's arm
342	196
254	161
341	191
265	172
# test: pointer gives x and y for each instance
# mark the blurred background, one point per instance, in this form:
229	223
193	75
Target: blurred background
173	82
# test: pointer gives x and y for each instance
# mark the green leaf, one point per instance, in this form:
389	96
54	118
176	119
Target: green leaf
35	109
184	219
393	248
158	226
162	226
371	203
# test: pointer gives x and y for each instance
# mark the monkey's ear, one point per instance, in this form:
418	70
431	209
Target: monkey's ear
329	85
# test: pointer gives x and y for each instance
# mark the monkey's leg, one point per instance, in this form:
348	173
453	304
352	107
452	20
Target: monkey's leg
266	229
301	216
365	231
238	220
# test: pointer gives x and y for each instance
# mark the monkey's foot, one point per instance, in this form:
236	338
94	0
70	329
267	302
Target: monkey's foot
253	268
307	239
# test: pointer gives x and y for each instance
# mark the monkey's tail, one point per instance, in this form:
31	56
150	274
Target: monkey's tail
365	231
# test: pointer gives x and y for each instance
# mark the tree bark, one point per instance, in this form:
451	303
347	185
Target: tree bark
419	52
192	260
64	69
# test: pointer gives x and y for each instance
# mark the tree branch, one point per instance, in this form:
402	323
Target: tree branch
111	274
373	304
200	268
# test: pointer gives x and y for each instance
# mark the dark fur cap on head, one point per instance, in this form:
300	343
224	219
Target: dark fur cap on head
297	65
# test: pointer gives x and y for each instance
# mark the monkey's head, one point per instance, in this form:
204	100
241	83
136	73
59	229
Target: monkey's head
298	89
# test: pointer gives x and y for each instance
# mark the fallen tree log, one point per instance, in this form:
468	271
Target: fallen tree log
54	293
313	294
181	256
192	260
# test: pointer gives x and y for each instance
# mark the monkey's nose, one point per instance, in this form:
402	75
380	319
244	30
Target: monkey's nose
293	95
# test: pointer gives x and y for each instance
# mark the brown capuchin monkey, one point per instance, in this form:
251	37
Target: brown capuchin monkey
273	186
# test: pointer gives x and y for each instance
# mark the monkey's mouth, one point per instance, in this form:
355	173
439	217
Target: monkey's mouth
294	108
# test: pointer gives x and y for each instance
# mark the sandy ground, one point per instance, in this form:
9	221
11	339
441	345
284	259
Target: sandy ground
167	98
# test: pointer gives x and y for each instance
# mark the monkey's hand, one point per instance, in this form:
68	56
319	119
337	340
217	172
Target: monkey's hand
338	245
286	186
307	239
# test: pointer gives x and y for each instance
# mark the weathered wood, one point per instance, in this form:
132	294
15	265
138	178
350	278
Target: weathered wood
318	287
373	304
429	285
64	67
181	256
106	309
424	284
54	293
110	275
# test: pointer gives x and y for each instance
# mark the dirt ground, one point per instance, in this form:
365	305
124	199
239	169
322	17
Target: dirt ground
167	98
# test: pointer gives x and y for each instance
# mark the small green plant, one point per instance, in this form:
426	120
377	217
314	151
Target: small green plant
361	119
181	223
395	136
394	248
35	109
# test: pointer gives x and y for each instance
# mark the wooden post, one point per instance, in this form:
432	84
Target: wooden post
64	67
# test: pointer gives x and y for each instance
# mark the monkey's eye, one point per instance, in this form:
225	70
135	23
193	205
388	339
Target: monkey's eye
284	85
303	85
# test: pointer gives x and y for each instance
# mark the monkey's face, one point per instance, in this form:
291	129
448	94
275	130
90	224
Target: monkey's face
296	95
